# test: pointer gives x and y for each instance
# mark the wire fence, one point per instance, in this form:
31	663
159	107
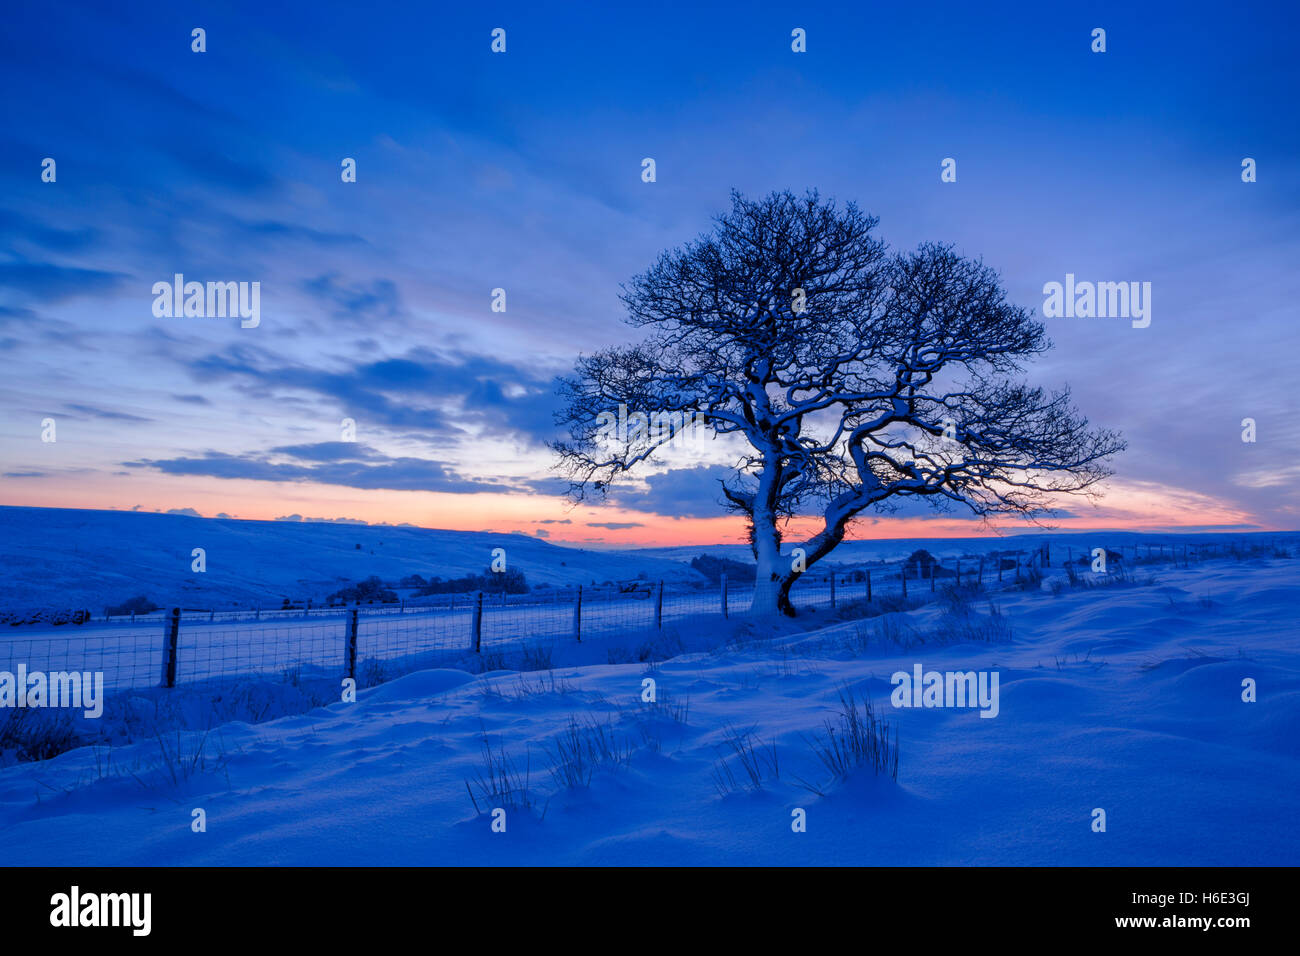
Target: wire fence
189	646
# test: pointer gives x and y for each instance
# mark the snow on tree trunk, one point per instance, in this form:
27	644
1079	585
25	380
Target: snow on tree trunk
774	574
771	593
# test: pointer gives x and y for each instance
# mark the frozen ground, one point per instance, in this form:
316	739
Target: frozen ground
1127	699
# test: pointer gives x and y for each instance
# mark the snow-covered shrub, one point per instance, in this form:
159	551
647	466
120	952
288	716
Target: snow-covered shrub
27	734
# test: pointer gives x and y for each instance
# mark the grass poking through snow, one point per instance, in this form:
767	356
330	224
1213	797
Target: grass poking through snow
857	739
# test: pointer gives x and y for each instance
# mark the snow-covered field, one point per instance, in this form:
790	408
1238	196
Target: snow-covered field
1124	699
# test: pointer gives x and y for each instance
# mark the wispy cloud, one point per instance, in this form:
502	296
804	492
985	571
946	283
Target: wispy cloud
377	297
366	470
46	282
104	413
449	394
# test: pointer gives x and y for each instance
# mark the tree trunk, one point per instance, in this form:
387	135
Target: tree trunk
783	596
773	575
772	591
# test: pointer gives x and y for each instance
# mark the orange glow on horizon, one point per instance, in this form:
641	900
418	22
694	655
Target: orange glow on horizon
1130	506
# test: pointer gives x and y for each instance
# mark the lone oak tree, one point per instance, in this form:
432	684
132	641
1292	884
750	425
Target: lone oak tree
856	377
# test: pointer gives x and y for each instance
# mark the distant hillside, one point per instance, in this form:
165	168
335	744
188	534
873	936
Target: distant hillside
81	558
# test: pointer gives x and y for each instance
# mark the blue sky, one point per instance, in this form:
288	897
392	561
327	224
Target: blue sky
522	171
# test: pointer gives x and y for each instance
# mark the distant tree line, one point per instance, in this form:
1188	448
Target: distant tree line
370	591
713	568
509	581
136	605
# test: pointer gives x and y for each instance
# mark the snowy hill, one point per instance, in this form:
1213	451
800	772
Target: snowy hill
82	558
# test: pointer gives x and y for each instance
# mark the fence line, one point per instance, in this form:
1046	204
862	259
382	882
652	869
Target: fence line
543	595
195	647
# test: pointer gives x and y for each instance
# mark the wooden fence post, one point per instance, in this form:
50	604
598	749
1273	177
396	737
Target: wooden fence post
832	590
659	607
577	615
170	635
723	589
868	585
932	567
1017	567
902	574
352	643
478	621
959	572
